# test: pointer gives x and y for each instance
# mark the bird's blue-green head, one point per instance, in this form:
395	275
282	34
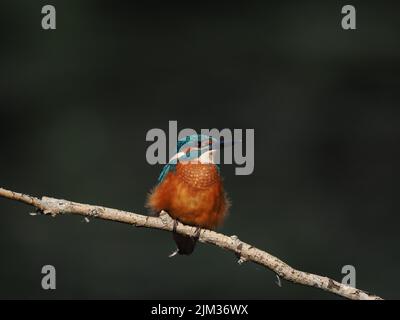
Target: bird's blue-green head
197	148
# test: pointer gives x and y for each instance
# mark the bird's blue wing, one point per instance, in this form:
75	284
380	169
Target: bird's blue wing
167	168
171	166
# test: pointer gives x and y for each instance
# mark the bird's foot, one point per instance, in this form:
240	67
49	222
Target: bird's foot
196	234
176	251
174	225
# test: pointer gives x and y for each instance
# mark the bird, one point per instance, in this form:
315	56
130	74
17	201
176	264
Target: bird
190	189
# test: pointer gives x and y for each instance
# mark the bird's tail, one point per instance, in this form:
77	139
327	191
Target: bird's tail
185	244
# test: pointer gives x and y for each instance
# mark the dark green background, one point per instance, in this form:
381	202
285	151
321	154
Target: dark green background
76	103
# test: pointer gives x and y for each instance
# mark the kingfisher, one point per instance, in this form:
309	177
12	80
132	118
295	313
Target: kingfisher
190	189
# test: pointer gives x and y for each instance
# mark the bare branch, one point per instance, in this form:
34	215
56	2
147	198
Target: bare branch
244	251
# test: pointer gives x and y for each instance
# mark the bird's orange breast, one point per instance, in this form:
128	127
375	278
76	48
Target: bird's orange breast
193	194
